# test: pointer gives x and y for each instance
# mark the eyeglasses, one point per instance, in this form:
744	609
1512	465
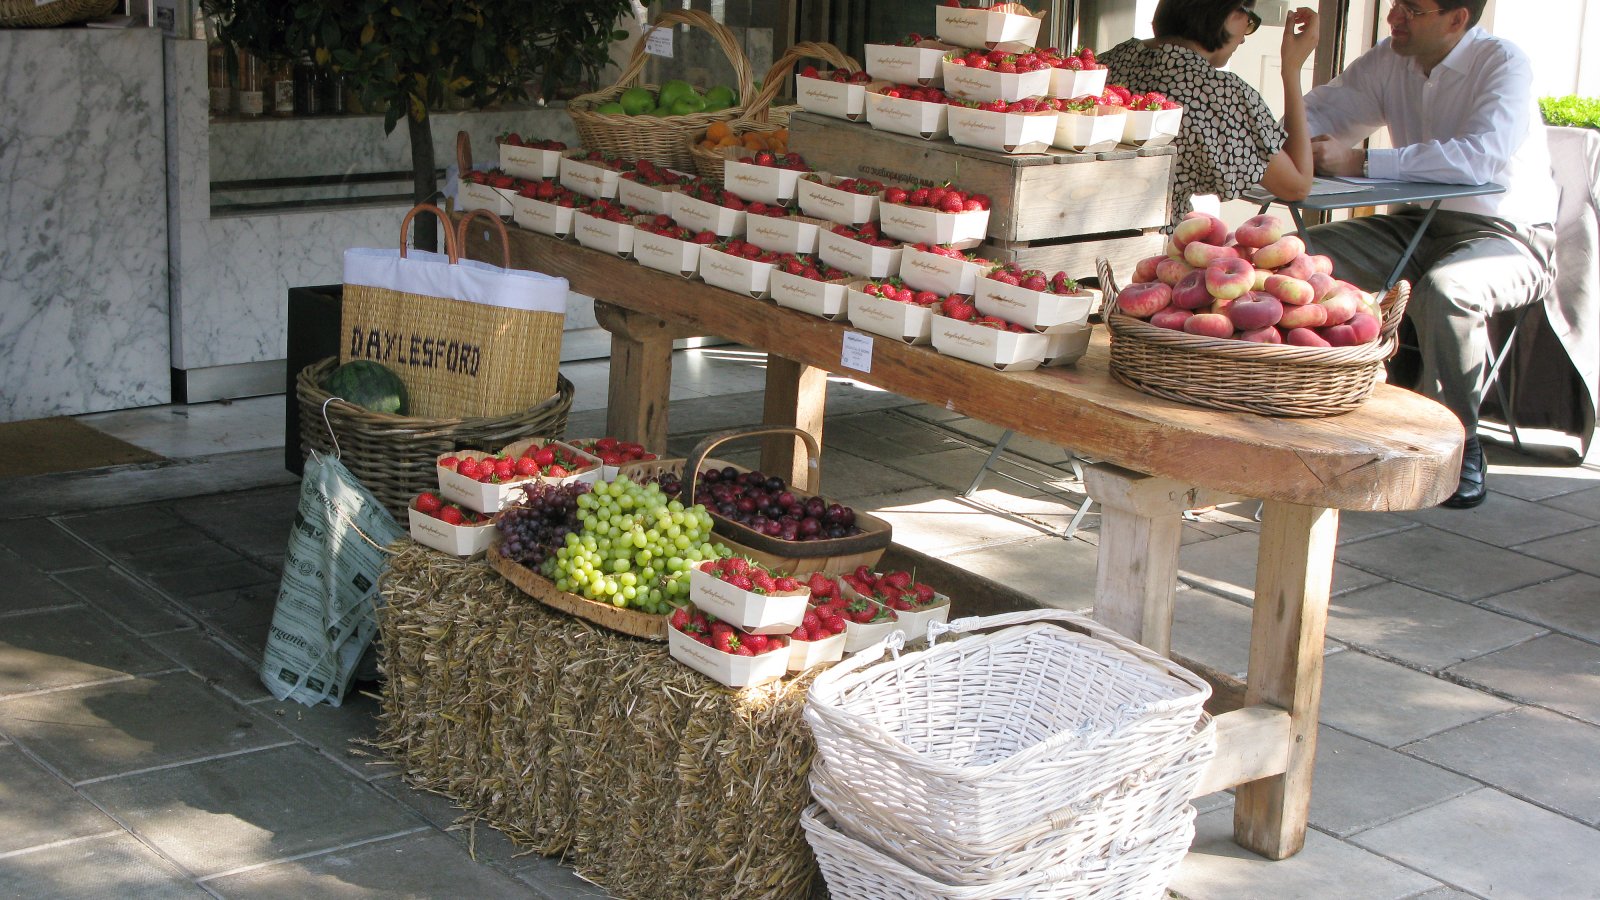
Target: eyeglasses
1408	12
1255	20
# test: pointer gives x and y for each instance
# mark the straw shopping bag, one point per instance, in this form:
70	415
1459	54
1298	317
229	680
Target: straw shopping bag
36	14
1036	746
468	339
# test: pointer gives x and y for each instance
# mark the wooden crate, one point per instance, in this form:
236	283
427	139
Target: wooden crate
1035	195
1076	256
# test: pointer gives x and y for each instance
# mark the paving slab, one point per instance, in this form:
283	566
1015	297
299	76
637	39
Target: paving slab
256	523
187	584
1218	869
68	646
165	535
114	592
1053	571
1529	478
45	544
1578	550
1448	564
215	661
123	726
1226	566
1496	846
110	866
332	729
1421	629
38	808
930	521
1539	756
884	436
27	589
1212	630
236	811
116	523
418	866
1359	784
1512	520
849	475
1391	705
955	469
1358	526
243	605
1570	605
1584	503
1553	671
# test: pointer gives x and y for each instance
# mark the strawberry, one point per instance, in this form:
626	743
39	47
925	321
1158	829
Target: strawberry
526	466
952	204
787	585
451	515
680	619
756	642
429	502
449	462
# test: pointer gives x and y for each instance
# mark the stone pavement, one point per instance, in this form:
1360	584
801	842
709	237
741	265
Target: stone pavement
140	756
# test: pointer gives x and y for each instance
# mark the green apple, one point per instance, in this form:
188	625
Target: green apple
672	90
721	97
611	109
636	100
688	105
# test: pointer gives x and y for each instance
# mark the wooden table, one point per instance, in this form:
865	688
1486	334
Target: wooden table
1398	451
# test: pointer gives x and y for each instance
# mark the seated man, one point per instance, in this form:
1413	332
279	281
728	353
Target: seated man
1460	108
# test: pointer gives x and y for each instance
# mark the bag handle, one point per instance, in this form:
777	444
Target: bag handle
450	248
463	153
697	456
495	225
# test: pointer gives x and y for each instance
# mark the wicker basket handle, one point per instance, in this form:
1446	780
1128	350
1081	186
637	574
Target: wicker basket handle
450	248
494	225
463	153
694	18
777	77
691	465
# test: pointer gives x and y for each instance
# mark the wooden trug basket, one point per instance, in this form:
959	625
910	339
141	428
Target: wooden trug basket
625	621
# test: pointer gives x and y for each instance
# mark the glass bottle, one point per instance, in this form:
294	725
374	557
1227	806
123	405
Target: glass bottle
307	99
250	99
332	86
219	92
282	83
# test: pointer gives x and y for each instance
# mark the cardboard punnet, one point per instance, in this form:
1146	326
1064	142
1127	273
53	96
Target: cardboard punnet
603	234
589	179
805	654
645	197
757	184
457	540
823	95
910	117
819	298
857	257
1088	133
1034	309
986	28
987	84
819	197
700	215
726	668
926	271
735	273
919	224
657	251
1002	131
530	162
590	467
1008	351
913	623
1070	84
1152	127
917	64
783	234
542	216
778	613
859	636
472	195
1067	345
904	322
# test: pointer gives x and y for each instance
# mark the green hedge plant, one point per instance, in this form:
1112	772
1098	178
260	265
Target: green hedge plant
1571	110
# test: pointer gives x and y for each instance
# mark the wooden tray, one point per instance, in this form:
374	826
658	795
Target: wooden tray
625	621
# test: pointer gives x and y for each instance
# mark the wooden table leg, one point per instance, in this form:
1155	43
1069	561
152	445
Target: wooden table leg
641	374
1294	573
796	396
1136	575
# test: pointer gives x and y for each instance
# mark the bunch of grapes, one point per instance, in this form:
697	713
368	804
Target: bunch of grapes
634	548
536	527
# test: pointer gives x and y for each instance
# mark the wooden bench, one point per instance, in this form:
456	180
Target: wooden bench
1398	451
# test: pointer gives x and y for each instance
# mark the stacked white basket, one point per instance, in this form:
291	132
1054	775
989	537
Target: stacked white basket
1034	761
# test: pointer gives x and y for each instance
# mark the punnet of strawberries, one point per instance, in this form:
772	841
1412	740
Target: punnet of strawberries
859	610
449	513
603	159
646	172
999	61
1082	59
822	620
551	460
842	76
550	191
893	288
495	178
1025	105
915	92
719	635
513	139
662	224
895	589
749	575
941	198
953	253
863	186
1151	101
1034	279
961	308
770	160
809	267
612	211
700	189
613	452
867	234
774	210
746	250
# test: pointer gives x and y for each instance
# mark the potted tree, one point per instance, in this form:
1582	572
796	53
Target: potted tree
403	57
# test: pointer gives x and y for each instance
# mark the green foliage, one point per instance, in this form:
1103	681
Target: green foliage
1571	110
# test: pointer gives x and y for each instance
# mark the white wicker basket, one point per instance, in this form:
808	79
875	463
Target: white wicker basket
981	747
1134	871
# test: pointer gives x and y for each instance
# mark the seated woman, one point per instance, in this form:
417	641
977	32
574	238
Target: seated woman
1230	141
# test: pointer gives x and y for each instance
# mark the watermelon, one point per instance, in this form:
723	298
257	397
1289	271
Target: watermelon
369	385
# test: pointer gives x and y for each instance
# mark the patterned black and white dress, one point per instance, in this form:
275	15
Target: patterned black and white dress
1228	132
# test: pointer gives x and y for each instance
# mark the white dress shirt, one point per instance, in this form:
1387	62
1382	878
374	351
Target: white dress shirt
1473	120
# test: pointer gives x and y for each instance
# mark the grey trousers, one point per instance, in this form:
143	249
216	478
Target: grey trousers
1466	269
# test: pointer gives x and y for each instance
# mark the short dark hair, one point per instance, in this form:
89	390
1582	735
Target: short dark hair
1474	8
1201	21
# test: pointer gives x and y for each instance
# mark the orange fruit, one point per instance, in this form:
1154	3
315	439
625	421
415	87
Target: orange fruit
718	131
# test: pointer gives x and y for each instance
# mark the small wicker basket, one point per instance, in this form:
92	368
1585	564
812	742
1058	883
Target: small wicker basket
394	456
759	113
661	140
1243	376
33	14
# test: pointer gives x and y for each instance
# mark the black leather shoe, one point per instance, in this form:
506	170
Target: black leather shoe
1471	491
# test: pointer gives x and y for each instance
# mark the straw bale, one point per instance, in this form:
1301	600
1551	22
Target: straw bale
653	780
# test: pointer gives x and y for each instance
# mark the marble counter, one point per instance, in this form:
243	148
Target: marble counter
83	242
